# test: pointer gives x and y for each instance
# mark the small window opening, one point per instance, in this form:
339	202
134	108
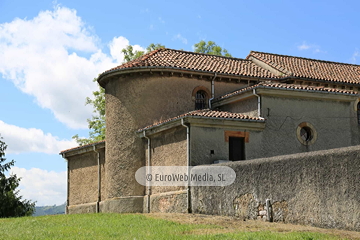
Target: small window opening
305	134
200	100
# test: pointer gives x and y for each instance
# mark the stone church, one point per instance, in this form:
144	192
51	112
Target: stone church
179	108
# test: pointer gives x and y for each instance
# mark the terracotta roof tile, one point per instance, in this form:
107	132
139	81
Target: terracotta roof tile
83	146
310	68
289	87
210	114
170	58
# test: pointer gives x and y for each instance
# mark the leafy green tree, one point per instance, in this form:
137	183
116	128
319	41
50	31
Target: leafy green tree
11	204
211	48
130	54
153	47
97	122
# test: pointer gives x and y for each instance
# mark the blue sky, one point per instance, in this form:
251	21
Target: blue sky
51	50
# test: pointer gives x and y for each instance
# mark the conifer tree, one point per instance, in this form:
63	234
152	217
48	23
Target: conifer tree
11	204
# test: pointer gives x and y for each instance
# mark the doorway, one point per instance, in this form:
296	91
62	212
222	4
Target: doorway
236	148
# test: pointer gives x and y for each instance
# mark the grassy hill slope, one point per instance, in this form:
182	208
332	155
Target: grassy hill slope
49	210
140	226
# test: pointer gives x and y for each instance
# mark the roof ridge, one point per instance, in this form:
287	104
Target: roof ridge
312	59
197	114
276	66
191	61
205	54
149	54
285	86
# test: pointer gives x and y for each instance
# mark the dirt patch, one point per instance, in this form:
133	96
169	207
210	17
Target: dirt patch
232	224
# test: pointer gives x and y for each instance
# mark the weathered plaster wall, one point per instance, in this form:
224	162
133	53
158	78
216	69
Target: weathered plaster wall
169	202
224	87
169	149
334	121
83	177
247	107
320	188
132	103
205	139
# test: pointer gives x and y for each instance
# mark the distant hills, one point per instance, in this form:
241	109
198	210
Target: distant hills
50	210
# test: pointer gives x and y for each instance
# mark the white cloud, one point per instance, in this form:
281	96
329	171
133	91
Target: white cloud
44	187
22	140
355	55
117	44
305	46
181	38
54	58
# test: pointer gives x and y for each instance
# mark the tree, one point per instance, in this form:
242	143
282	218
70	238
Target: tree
153	47
130	54
11	204
211	48
97	122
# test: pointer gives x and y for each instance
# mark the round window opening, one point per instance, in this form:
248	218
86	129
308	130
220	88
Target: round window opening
306	133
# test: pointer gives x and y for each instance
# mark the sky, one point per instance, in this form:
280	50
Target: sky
50	51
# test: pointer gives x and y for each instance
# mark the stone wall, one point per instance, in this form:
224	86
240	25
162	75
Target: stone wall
168	149
83	181
320	188
175	201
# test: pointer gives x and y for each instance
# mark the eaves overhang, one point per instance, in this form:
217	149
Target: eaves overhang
250	124
104	77
82	149
318	80
308	94
285	92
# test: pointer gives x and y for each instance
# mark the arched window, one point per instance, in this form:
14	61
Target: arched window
358	112
200	100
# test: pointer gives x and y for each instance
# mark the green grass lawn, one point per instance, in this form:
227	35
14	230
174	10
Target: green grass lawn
126	226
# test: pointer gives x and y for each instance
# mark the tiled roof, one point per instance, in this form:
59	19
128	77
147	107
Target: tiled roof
210	114
183	60
310	68
83	146
292	87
